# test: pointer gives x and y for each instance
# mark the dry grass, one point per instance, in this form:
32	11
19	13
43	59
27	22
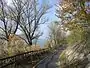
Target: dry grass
15	47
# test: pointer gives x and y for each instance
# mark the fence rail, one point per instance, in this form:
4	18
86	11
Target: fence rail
23	57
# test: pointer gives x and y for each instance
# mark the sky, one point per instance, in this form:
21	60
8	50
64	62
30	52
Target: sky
50	15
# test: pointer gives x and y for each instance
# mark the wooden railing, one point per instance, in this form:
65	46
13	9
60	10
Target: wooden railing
23	58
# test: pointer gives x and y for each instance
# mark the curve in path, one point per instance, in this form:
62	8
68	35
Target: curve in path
51	61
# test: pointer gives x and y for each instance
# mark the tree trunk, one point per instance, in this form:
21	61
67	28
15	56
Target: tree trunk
30	42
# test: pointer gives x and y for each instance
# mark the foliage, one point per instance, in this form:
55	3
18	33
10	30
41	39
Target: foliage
77	33
75	18
56	35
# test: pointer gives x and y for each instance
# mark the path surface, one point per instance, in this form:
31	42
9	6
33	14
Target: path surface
51	61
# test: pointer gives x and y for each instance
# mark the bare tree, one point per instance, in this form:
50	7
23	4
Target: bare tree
15	10
32	17
5	28
26	15
9	18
